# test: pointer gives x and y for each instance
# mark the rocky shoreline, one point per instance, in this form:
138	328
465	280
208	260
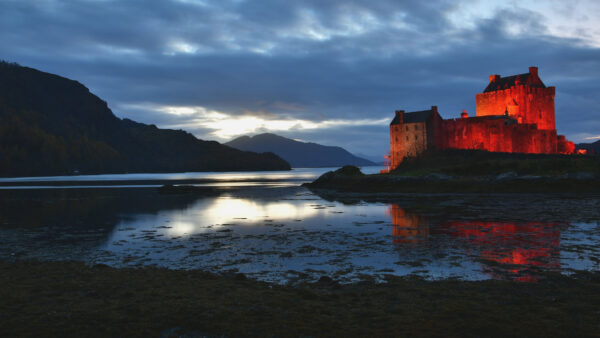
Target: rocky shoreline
350	179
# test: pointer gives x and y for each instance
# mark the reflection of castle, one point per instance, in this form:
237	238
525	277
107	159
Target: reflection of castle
520	245
514	114
517	246
407	228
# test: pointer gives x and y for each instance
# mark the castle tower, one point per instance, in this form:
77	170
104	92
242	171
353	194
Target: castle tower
523	97
413	133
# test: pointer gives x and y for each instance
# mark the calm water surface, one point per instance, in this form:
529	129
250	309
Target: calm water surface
234	178
280	232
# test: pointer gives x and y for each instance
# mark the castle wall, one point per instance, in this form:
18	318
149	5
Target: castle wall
531	105
498	135
435	128
407	140
565	146
475	133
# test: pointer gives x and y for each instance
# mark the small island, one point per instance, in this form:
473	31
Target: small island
510	146
459	171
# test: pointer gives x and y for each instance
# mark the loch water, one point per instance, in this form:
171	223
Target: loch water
268	227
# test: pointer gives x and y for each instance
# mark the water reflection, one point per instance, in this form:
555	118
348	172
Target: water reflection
407	227
295	175
224	210
518	247
518	250
289	234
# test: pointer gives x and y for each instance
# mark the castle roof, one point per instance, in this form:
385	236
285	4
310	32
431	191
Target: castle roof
500	83
416	116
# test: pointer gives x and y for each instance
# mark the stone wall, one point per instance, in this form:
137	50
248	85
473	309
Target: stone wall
530	105
498	134
407	140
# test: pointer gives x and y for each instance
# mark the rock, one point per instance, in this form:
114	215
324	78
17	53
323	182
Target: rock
507	176
170	332
531	177
346	171
100	266
349	170
403	178
581	176
438	177
325	280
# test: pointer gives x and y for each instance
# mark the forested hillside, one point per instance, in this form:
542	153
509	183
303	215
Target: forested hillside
50	125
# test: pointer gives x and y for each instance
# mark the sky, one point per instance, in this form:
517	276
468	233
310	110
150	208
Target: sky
325	71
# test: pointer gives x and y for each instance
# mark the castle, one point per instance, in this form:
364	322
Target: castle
514	114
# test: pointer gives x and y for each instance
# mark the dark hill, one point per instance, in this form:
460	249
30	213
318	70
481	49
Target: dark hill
299	154
594	147
50	125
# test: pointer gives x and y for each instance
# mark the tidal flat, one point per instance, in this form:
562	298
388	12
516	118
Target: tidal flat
284	260
290	235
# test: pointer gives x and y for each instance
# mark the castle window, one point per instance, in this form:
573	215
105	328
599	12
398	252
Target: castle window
406	128
416	127
416	137
407	138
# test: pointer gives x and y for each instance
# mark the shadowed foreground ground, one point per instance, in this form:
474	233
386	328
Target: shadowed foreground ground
66	299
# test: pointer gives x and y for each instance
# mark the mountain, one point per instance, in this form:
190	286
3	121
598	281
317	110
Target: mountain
595	147
298	154
377	159
50	125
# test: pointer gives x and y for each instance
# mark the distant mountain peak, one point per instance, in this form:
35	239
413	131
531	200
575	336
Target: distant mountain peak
298	153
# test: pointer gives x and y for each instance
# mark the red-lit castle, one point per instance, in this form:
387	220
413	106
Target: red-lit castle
515	114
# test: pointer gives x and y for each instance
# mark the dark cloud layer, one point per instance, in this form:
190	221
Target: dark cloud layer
314	61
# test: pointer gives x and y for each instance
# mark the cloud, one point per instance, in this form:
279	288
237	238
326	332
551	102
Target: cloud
224	127
301	68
